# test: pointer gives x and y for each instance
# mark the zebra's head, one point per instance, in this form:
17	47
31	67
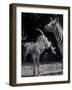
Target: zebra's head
51	26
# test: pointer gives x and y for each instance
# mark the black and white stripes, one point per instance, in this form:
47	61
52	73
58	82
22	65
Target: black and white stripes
55	27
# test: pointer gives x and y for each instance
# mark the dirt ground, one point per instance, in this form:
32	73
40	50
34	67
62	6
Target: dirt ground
45	69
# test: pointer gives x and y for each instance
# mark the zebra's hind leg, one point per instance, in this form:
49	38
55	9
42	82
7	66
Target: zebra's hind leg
38	67
33	67
38	70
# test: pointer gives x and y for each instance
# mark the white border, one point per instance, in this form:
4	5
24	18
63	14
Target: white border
63	77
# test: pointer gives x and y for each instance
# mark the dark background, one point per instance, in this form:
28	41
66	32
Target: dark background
31	21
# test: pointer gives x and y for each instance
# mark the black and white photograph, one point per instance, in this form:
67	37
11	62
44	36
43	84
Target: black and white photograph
42	44
39	44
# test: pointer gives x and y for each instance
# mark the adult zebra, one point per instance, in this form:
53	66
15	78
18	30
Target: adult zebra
55	27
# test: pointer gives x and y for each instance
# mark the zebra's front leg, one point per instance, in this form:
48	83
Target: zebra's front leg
53	49
38	66
33	67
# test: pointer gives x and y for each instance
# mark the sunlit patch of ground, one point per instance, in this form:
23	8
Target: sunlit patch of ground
45	69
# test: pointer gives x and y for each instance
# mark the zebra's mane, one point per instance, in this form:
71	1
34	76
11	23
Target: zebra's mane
60	32
59	28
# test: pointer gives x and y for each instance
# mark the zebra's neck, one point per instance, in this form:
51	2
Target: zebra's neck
58	33
59	37
60	29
